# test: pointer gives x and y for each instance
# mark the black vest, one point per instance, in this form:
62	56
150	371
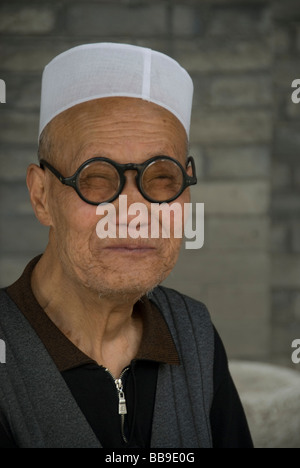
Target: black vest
41	412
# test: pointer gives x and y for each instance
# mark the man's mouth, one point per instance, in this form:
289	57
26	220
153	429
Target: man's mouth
131	247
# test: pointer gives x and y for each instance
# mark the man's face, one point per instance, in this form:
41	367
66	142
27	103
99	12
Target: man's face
126	131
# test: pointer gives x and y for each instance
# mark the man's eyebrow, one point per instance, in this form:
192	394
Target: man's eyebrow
172	150
160	152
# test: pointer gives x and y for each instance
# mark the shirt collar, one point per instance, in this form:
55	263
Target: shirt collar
157	343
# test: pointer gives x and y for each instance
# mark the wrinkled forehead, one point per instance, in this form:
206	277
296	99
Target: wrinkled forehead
104	127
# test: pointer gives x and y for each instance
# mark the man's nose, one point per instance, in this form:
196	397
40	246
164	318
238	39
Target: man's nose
133	195
131	188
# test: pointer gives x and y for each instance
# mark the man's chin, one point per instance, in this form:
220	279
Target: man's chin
123	281
125	291
128	294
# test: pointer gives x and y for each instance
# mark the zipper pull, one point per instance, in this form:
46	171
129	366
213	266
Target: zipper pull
122	400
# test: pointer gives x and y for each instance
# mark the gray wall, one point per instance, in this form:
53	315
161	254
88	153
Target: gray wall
243	57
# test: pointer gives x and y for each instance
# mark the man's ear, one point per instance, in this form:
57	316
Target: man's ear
36	183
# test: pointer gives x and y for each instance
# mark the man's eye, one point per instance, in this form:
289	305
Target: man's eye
161	177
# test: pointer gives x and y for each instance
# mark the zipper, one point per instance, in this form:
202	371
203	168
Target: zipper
122	400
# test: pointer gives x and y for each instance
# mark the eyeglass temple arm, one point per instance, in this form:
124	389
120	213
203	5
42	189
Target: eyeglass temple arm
44	163
191	179
63	180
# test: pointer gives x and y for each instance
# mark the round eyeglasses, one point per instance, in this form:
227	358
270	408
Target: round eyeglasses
160	179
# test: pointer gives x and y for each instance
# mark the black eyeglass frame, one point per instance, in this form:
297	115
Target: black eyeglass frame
72	181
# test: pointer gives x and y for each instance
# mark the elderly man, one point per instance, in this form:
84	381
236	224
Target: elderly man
97	353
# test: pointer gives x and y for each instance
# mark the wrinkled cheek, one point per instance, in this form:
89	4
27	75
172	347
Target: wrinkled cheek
72	239
169	253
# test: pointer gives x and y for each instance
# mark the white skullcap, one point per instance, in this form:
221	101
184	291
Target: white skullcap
93	71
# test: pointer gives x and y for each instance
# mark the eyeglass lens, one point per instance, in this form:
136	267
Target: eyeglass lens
100	181
162	180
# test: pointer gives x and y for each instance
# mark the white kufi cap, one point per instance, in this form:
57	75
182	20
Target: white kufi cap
101	70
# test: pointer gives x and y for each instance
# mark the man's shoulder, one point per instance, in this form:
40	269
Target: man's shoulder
192	331
5	300
176	302
8	308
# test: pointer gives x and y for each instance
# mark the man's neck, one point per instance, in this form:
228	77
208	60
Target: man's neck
106	329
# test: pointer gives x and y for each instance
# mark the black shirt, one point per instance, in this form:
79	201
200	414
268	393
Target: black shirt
95	390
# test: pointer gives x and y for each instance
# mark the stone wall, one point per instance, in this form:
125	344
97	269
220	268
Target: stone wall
243	56
285	202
